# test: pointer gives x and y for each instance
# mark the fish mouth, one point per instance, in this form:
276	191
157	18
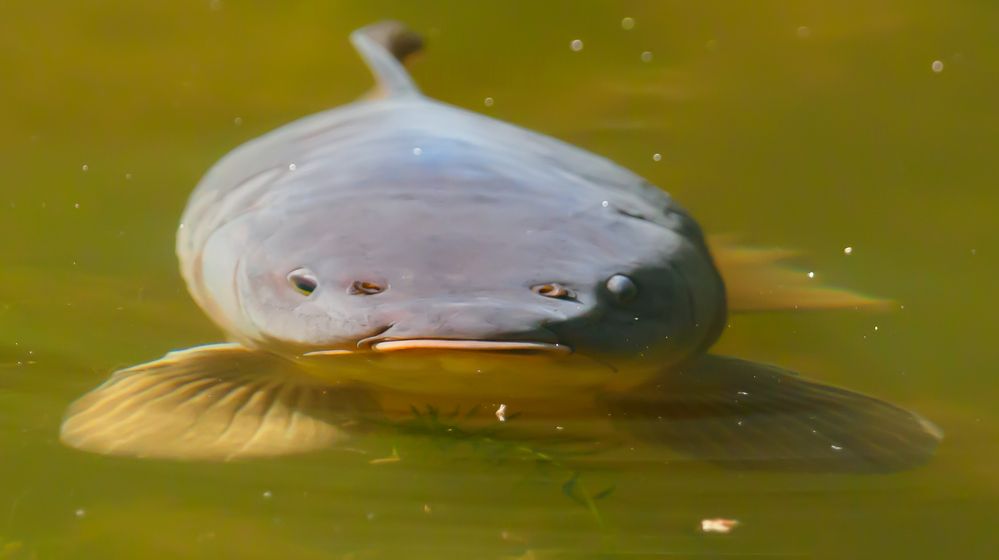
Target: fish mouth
460	345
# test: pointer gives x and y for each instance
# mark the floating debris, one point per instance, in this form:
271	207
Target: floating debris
393	458
501	413
847	250
718	525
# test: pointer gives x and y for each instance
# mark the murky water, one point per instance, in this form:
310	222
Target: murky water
809	125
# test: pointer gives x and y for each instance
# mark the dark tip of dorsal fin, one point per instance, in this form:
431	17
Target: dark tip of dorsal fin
384	46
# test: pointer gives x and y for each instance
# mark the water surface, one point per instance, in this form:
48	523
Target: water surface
810	125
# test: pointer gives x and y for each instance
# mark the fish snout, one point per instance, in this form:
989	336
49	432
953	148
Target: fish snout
469	326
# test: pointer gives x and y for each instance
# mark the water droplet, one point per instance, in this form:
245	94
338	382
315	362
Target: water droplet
803	32
292	167
811	275
576	45
489	101
628	23
657	157
646	56
847	250
417	151
937	66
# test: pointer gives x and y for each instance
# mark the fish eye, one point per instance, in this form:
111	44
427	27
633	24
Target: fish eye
622	288
553	290
303	280
365	288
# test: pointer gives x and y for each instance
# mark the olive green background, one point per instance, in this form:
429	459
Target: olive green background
800	124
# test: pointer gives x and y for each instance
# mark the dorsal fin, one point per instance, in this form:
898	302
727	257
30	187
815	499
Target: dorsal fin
384	46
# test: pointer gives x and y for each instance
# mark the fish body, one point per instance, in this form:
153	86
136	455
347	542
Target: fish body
399	245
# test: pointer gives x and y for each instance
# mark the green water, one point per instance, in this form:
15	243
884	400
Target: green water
810	125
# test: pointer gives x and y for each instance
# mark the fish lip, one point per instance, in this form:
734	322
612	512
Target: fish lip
522	347
472	345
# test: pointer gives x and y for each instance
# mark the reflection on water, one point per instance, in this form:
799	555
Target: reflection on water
813	128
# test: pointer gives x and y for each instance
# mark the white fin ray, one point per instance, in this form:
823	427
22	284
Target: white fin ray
759	279
216	402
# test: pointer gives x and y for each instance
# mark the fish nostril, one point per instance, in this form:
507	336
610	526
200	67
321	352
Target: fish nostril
365	288
553	290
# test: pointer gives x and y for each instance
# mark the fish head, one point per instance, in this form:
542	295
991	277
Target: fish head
544	295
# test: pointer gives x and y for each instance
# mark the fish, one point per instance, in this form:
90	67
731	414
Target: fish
398	250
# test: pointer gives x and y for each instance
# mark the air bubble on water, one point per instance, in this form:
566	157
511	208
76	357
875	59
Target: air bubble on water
576	45
875	327
628	23
267	494
489	101
77	206
811	275
937	66
128	176
237	121
85	168
80	513
847	250
292	167
605	204
657	157
417	151
646	56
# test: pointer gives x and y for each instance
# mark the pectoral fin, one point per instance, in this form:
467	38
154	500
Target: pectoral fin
758	279
215	402
748	415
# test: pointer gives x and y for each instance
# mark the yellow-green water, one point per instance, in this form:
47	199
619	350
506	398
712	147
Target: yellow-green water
811	125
